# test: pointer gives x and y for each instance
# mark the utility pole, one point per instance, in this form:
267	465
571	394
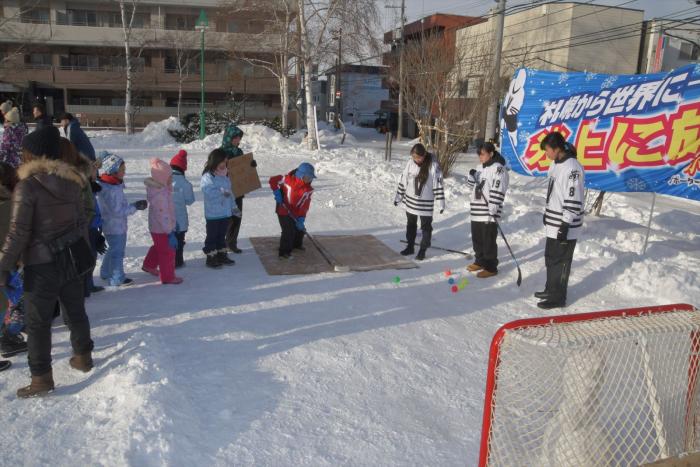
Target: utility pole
202	25
401	44
492	112
339	98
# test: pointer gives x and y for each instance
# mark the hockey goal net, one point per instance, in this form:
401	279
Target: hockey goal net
596	389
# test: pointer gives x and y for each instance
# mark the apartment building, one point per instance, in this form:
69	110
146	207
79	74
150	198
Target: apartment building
71	54
670	44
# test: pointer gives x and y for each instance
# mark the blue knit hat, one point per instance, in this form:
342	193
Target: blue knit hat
305	170
111	163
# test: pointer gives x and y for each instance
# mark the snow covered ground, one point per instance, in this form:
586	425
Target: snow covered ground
235	367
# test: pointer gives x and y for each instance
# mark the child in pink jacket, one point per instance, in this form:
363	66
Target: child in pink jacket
160	259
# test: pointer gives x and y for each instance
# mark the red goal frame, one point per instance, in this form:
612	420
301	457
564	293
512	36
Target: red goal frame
494	361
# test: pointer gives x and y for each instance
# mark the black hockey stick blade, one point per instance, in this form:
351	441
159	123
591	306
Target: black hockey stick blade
468	255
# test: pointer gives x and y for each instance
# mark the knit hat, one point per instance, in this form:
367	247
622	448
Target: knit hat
111	164
6	107
160	171
12	116
305	170
44	142
179	161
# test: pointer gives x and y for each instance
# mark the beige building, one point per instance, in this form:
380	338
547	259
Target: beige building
71	54
561	36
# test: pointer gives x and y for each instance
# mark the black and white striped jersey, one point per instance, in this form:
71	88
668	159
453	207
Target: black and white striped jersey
488	191
566	180
420	200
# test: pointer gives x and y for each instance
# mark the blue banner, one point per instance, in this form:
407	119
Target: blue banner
631	132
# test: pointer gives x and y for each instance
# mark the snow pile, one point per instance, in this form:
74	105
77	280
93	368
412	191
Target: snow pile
155	135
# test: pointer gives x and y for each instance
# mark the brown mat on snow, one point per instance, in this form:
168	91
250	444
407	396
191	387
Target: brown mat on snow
358	252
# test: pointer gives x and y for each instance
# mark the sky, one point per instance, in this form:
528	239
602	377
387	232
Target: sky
415	9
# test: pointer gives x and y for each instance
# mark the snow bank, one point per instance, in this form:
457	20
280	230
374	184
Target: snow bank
155	135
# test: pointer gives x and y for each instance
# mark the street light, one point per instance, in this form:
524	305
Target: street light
202	25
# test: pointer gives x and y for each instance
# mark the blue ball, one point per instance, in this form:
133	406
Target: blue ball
451	281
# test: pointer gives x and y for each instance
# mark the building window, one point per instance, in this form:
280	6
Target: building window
190	66
89	101
38	61
35	15
104	19
688	51
180	22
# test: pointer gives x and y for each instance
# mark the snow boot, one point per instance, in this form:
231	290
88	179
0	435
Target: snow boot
407	251
213	260
39	386
81	362
12	345
474	267
549	304
484	274
542	295
5	364
223	258
421	254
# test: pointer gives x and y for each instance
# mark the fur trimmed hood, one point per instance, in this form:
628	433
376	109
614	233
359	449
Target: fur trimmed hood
43	166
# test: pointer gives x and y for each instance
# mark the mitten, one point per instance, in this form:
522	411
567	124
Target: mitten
563	232
300	224
278	196
101	244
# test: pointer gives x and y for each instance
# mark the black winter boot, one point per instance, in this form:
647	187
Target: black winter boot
12	345
421	254
223	258
407	251
213	260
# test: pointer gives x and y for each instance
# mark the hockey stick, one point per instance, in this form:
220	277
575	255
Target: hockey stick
503	236
445	249
326	255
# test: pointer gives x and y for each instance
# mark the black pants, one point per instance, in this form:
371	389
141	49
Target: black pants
426	227
179	251
291	236
484	235
234	227
557	258
44	284
216	235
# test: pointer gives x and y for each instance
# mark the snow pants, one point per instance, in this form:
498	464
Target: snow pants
216	235
44	285
234	227
426	227
162	256
557	258
484	235
180	251
291	237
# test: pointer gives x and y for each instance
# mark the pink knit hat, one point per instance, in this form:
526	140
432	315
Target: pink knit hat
160	171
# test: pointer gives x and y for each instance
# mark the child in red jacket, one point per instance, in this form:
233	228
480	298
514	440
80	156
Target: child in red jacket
293	195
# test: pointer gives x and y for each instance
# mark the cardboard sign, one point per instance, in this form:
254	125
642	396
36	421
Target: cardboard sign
244	178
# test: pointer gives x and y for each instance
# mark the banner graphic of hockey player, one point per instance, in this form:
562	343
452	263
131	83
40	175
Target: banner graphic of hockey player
631	132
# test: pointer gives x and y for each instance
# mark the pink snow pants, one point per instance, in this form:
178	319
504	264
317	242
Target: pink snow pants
161	256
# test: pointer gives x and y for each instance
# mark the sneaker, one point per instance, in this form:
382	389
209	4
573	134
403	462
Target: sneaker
151	271
421	254
175	280
12	345
5	364
213	261
474	267
223	259
484	274
407	251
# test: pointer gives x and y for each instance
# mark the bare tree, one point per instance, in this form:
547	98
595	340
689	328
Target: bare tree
185	59
278	31
127	16
20	34
318	20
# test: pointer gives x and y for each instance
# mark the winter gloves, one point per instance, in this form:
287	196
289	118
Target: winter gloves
300	224
472	172
278	196
172	240
101	244
563	232
141	204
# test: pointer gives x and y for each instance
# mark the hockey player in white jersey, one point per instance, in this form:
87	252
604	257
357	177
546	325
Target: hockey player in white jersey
563	217
489	184
420	187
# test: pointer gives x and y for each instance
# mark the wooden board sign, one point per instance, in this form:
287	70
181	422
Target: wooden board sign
244	178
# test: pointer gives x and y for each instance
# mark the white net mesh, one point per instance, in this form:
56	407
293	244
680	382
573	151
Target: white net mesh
614	391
